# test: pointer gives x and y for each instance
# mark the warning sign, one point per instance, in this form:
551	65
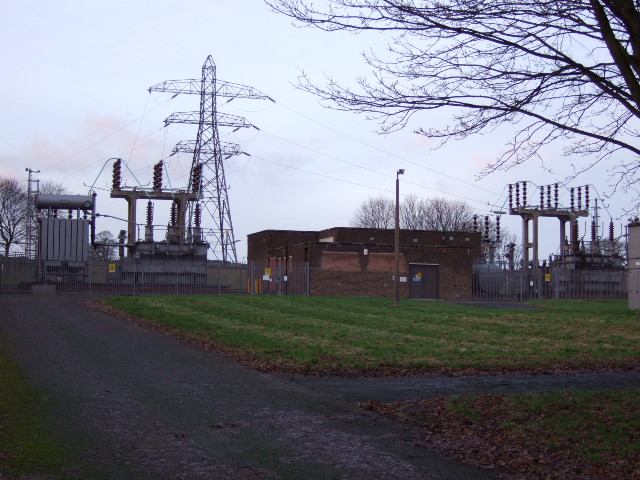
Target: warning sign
547	277
112	268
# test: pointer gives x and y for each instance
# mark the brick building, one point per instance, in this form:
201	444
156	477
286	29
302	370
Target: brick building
360	262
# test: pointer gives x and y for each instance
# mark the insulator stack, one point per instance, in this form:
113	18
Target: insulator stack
555	196
524	194
157	176
572	200
475	222
149	213
548	197
518	195
486	227
174	214
198	215
579	198
541	198
510	197
594	229
586	197
498	229
70	213
196	178
117	174
576	233
611	231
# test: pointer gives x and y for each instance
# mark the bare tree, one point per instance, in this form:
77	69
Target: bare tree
438	214
413	215
50	187
375	212
13	212
103	253
554	70
448	215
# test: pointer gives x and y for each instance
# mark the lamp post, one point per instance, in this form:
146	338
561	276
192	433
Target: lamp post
396	275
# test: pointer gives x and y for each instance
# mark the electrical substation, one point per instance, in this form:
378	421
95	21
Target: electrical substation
198	239
581	268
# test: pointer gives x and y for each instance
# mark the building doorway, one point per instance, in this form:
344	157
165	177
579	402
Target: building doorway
423	281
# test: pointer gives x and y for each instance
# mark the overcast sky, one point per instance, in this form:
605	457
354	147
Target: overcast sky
74	94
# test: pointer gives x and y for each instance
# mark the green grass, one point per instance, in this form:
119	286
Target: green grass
559	435
369	334
595	424
27	444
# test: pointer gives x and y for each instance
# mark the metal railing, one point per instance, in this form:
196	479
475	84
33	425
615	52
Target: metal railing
491	282
131	276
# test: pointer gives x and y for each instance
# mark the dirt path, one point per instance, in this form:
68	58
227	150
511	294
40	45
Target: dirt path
411	388
136	404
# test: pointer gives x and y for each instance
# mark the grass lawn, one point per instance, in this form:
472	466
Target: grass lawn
370	336
27	445
556	436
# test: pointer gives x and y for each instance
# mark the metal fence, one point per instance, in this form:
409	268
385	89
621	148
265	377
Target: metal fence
131	276
491	282
134	276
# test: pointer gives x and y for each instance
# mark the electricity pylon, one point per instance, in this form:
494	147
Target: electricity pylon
206	177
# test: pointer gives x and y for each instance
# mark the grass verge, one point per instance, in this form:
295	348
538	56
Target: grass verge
564	435
370	336
27	445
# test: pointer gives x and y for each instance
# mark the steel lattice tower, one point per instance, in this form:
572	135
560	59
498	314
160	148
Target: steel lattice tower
207	176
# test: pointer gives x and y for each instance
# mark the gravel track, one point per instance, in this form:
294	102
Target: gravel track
136	404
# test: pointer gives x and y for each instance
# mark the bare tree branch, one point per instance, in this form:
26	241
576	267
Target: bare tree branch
557	70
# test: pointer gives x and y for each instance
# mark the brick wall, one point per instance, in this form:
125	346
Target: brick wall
346	261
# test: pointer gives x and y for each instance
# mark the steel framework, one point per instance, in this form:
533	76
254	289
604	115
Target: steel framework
207	177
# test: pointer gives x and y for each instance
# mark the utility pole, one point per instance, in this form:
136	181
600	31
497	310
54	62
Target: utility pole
396	273
30	225
207	178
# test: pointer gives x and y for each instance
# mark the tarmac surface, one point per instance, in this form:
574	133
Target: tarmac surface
134	403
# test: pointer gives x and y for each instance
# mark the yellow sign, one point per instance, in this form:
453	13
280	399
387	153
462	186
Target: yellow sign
419	274
547	277
267	271
112	268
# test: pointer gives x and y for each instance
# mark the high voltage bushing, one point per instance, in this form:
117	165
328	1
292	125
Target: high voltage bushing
486	227
518	195
555	196
611	231
579	198
149	213
157	176
510	197
541	198
593	230
196	178
174	214
524	194
117	174
572	199
197	215
498	229
586	197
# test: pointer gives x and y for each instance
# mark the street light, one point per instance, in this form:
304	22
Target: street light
396	276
